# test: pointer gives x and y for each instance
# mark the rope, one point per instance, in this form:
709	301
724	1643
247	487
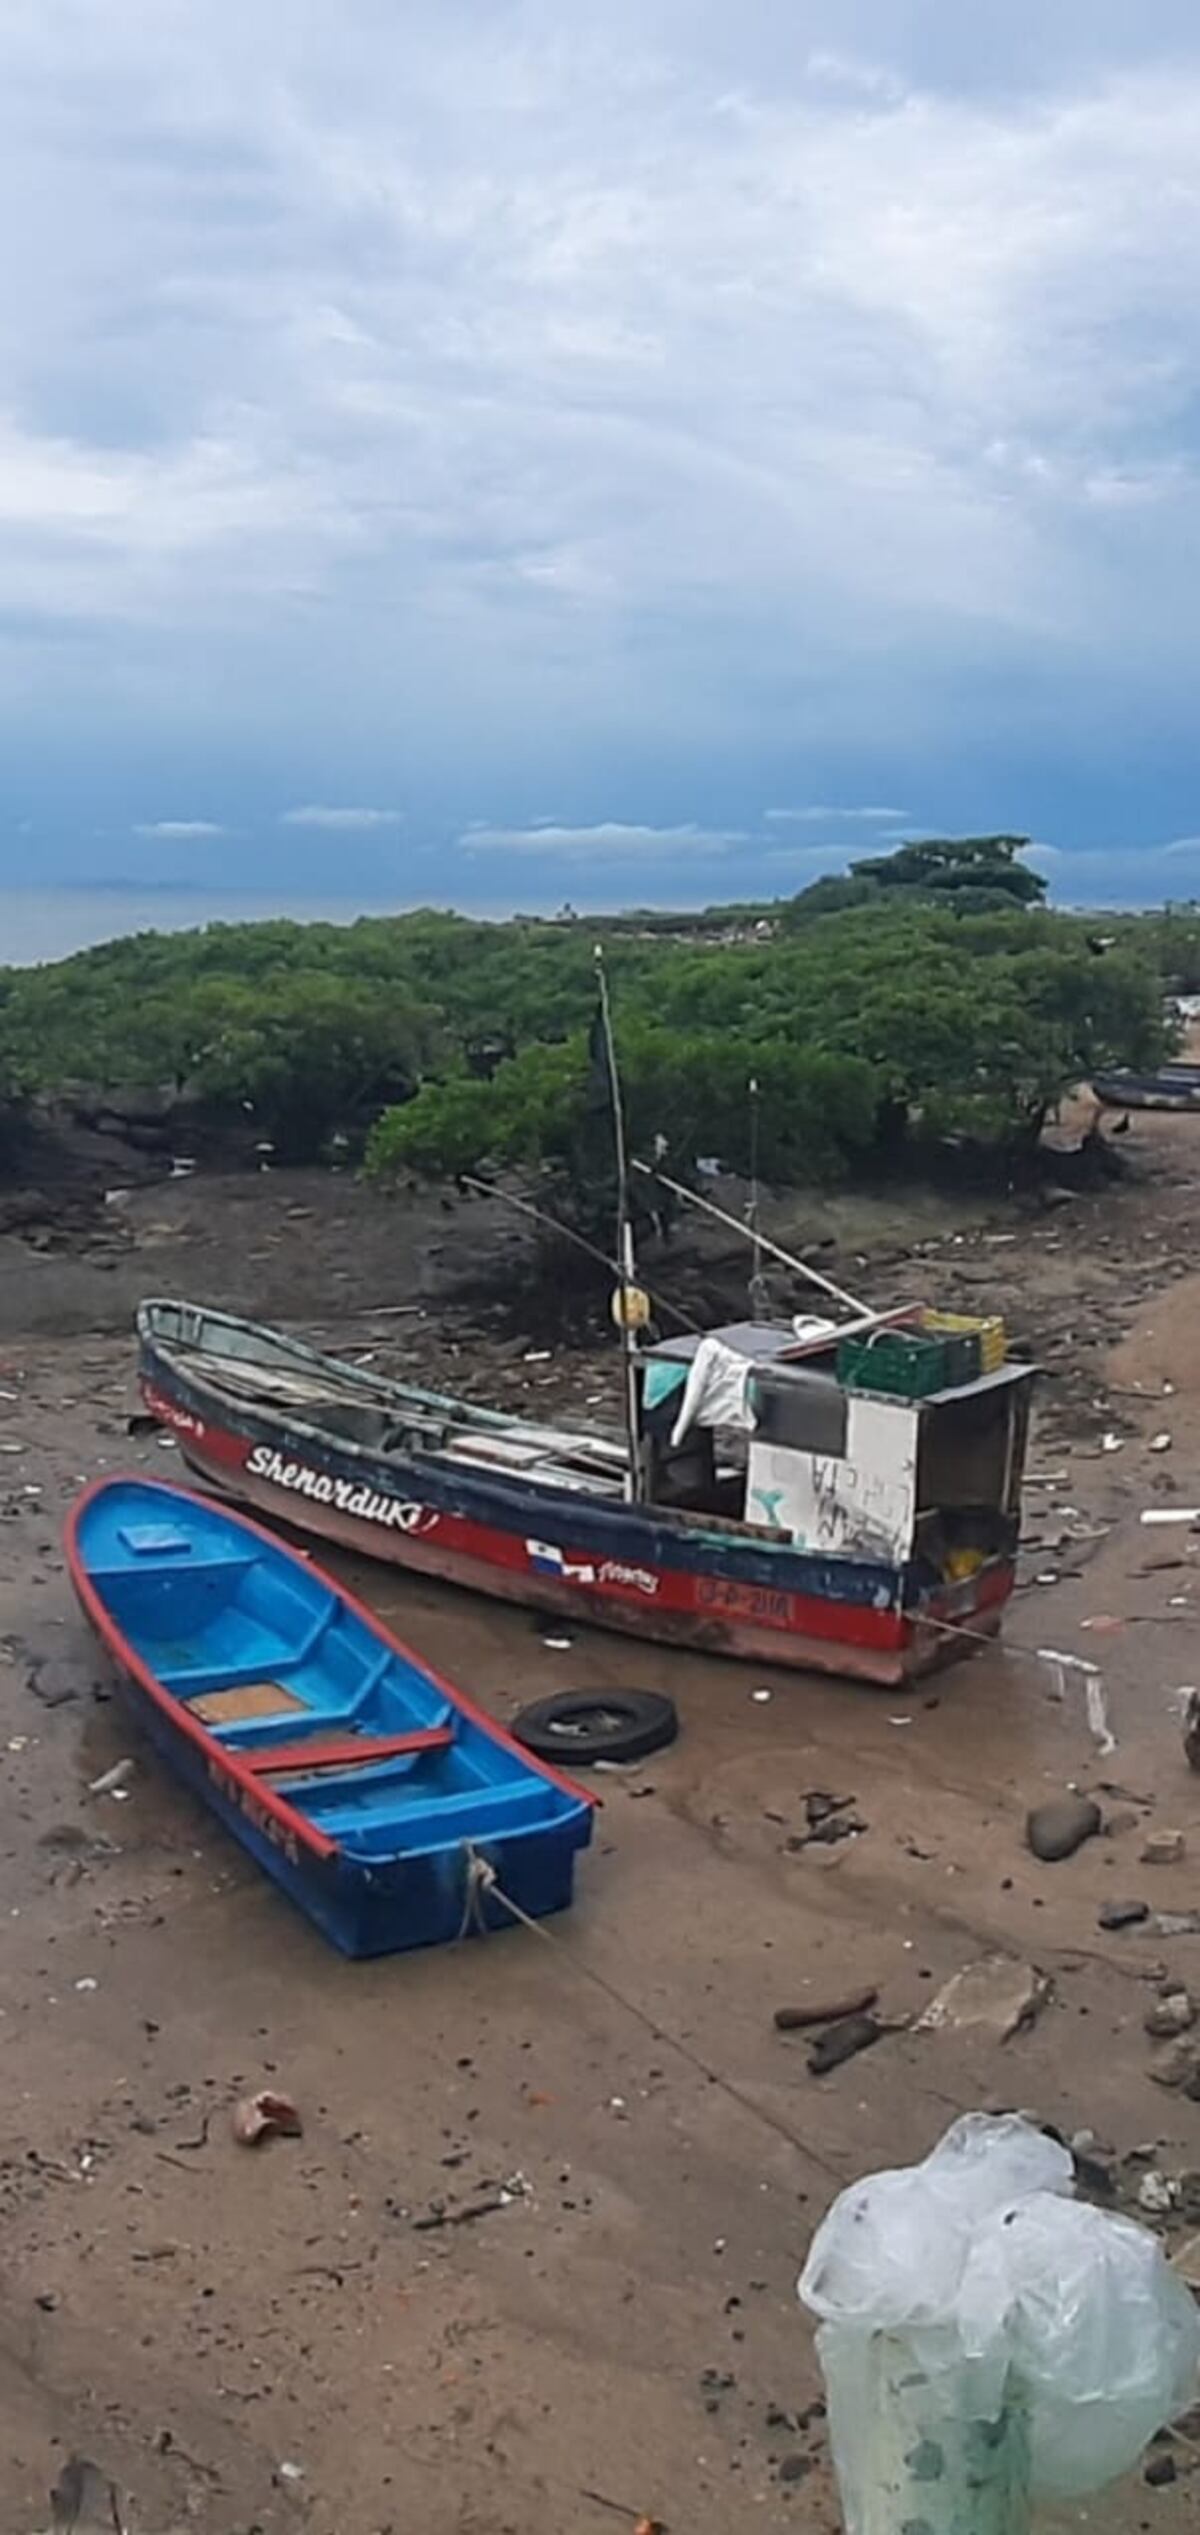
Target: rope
482	1883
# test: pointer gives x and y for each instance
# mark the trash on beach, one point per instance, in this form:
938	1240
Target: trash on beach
1170	1514
1095	1703
267	2115
114	1781
1159	1443
1111	1442
986	2336
994	1995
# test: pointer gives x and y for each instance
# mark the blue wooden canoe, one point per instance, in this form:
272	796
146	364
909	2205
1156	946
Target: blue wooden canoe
365	1785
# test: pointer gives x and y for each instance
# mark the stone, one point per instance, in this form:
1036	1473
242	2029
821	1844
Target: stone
795	2468
1057	1829
1170	2016
1123	1914
995	1996
1178	2065
1164	1848
1156	2194
1160	2470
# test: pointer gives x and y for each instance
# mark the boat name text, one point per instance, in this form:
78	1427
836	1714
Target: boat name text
346	1496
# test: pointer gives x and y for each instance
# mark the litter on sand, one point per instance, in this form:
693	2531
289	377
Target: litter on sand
267	2115
1059	1665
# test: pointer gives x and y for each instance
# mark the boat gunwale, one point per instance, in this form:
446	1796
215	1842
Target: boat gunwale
265	1798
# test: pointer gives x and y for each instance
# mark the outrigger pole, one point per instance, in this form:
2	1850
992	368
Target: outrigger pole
626	1300
861	1310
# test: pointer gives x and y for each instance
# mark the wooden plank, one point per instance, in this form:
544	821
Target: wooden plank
345	1751
248	1699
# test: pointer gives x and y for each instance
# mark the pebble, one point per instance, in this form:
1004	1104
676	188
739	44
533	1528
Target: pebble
1164	1848
794	2468
1169	2016
1160	2470
1156	2194
1057	1829
1123	1914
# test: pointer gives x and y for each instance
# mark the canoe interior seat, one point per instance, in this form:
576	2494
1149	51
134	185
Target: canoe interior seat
249	1699
346	1751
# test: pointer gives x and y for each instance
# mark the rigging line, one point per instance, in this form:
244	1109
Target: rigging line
800	1266
482	1878
552	1224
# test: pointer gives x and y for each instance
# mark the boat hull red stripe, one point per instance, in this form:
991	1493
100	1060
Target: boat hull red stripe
715	1613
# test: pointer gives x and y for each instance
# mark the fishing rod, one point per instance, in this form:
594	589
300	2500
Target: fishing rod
861	1311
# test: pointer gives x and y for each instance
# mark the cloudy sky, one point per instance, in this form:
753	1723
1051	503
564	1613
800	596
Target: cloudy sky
497	450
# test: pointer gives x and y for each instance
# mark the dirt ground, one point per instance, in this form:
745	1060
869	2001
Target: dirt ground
281	2340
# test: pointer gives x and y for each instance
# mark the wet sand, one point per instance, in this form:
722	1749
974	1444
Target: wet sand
199	2318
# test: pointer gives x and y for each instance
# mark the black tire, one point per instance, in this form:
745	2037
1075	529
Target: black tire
585	1726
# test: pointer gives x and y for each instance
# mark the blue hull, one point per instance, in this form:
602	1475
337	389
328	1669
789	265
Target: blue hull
370	1791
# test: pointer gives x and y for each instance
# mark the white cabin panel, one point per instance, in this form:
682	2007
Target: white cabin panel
862	1502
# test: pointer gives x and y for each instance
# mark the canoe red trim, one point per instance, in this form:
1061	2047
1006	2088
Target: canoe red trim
250	1785
347	1751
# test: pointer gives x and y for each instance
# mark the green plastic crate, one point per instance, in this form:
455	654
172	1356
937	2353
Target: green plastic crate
904	1362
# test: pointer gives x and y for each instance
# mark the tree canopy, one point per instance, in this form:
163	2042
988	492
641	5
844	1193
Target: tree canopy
922	994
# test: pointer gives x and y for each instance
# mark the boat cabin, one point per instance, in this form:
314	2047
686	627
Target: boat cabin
802	1438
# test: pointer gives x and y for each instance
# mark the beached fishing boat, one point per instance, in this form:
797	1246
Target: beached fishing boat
847	1498
370	1790
1172	1087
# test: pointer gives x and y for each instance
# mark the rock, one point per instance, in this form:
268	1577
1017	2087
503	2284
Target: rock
1169	2016
1179	2065
842	2042
1123	1914
1156	2194
1191	1728
795	2468
1164	1848
994	1995
1095	2178
1057	1829
1160	2470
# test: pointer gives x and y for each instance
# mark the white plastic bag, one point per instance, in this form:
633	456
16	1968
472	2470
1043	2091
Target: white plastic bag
971	2297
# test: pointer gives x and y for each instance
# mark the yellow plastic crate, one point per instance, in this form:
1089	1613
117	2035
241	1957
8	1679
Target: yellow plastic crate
991	1333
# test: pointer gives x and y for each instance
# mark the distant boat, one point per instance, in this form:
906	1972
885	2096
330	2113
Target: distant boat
368	1788
1172	1087
853	1530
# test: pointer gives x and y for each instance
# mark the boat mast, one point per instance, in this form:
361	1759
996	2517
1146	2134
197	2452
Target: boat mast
624	1299
760	1300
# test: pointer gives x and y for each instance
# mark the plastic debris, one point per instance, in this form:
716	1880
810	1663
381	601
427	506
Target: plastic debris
111	1781
266	2115
985	2335
1159	1443
1171	1514
1095	1703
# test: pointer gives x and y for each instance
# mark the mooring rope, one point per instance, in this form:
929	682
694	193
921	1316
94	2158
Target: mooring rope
482	1884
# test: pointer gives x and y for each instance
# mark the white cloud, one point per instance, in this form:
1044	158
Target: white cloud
610	837
179	831
357	822
818	811
1182	845
843	402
